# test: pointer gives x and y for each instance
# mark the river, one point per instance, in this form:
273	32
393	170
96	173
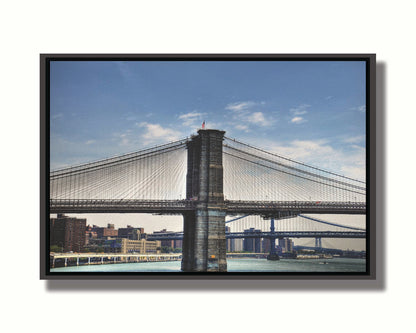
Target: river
342	265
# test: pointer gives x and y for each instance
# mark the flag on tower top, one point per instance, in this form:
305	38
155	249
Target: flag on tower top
203	125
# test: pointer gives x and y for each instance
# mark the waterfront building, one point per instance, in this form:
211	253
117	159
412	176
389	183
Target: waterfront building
124	245
141	246
68	233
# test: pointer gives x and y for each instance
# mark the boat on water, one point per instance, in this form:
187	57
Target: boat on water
273	257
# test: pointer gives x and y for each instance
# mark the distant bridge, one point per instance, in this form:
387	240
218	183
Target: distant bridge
284	234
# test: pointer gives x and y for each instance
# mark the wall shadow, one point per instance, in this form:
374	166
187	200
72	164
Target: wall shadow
256	285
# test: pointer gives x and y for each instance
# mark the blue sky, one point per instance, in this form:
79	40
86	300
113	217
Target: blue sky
313	112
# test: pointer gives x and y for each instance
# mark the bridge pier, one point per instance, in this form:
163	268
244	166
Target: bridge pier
204	244
273	254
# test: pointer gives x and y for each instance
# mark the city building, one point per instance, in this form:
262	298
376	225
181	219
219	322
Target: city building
173	243
236	245
286	245
130	232
68	233
252	244
89	235
102	232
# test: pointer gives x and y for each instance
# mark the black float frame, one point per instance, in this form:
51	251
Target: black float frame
370	273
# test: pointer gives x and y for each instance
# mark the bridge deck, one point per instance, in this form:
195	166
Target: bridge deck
183	206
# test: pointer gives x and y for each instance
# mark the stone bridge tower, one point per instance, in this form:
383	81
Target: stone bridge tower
204	245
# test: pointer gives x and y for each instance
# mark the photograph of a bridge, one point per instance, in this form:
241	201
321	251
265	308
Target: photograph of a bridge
188	166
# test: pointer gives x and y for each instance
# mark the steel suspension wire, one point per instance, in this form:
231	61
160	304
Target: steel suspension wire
254	174
292	174
156	173
290	160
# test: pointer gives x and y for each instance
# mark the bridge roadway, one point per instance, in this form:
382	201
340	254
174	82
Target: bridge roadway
266	208
276	234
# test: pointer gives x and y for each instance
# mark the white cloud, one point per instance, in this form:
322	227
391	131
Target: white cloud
241	127
302	109
298	120
258	119
155	133
190	115
240	106
244	113
90	142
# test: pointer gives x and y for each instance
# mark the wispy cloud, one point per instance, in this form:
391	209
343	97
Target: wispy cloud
242	127
300	110
191	118
240	106
90	142
125	140
247	114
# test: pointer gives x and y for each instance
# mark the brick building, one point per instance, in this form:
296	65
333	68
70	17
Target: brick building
68	233
102	232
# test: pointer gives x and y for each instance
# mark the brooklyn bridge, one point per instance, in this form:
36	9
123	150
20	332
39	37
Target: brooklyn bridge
205	178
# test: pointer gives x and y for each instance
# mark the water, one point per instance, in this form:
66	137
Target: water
343	265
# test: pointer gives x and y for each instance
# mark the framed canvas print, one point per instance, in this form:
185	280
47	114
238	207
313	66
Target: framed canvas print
221	166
